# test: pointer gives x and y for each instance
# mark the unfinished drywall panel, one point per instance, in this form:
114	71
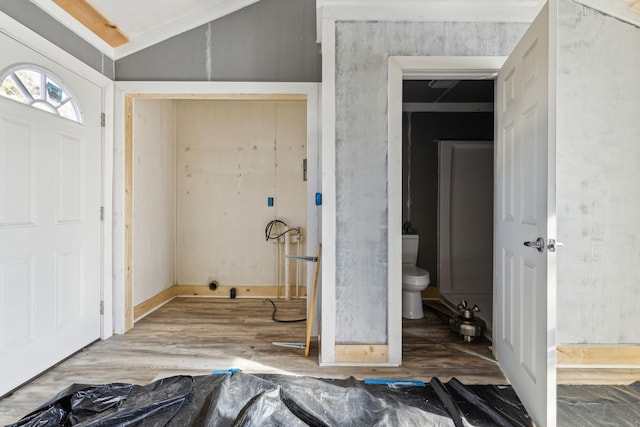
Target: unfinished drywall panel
362	52
31	16
233	156
154	197
598	196
272	40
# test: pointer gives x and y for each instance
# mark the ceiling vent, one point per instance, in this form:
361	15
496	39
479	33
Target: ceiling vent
443	84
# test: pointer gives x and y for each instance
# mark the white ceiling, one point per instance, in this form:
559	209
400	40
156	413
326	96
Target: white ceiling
147	22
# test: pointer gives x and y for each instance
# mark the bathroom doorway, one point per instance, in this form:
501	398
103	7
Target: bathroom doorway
447	171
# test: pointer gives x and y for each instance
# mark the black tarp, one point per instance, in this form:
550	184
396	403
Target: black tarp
279	400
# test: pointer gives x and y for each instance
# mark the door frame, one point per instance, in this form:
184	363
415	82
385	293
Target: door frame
441	68
414	68
125	93
330	12
44	47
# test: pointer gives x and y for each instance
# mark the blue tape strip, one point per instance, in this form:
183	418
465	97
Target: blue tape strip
395	383
226	371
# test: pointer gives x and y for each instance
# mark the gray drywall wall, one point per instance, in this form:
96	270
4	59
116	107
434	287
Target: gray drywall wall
38	21
598	176
272	40
362	52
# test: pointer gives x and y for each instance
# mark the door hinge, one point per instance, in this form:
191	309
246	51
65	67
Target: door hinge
103	120
101	307
304	169
101	213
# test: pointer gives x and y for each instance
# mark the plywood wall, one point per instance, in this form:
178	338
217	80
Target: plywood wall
232	156
154	197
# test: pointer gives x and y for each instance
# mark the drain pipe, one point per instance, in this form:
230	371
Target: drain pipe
298	238
286	265
278	267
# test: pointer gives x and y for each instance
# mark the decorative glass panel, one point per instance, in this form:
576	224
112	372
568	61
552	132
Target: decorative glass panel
10	89
40	89
31	80
68	111
55	94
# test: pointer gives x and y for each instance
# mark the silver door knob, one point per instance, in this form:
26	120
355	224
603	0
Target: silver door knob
538	244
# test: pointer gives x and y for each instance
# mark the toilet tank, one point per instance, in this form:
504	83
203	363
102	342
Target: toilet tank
410	248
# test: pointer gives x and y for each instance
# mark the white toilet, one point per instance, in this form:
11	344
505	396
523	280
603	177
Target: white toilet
414	278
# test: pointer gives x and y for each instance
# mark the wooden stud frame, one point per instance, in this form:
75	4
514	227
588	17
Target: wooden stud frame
88	16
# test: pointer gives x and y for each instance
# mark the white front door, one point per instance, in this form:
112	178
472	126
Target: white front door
50	196
524	327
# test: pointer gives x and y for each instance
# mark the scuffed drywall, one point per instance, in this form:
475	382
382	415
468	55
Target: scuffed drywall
598	171
362	52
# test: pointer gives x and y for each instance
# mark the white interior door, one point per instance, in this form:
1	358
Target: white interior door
524	328
50	196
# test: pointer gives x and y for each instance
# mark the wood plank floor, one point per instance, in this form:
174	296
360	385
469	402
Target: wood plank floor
194	336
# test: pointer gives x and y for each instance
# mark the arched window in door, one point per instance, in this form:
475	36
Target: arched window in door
39	88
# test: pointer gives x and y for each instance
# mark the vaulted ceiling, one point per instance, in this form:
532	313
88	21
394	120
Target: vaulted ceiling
121	27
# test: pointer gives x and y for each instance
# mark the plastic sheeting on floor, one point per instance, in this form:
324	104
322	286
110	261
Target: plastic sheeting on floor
279	400
599	405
